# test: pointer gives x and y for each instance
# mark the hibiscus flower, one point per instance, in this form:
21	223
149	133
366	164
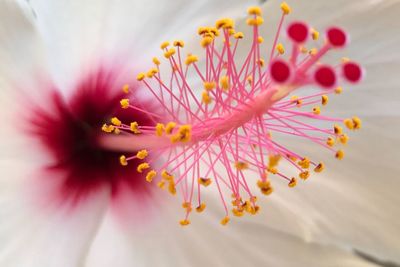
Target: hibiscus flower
66	203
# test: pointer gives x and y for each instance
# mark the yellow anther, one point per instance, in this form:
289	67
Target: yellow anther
225	220
250	79
225	23
337	129
142	166
164	45
107	128
201	207
349	123
303	49
204	181
209	85
142	154
123	161
116	121
280	48
357	122
330	141
304	163
205	97
339	154
124	103
257	21
272	170
324	100
295	99
304	175
265	187
167	176
238	213
150	175
125	88
187	206
117	131
140	76
202	30
190	59
240	165
184	222
224	83
273	160
159	129
345	59
206	41
169	53
254	10
161	184
261	62
316	110
214	31
338	90
238	35
172	189
260	40
170	127
293	182
314	34
179	43
285	8
151	72
313	51
134	127
320	167
343	138
183	134
156	61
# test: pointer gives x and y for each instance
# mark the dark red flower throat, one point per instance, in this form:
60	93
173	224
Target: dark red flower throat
69	131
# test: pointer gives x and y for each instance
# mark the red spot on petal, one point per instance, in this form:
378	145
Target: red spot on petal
352	72
298	32
325	76
337	37
280	71
67	129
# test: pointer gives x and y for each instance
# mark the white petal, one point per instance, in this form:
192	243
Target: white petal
57	237
244	242
79	34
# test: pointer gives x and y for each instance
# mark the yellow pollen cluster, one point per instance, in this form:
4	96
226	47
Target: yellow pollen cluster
205	97
240	165
353	123
125	88
159	129
124	103
338	90
134	126
156	61
224	82
140	76
280	48
179	43
150	176
304	175
151	73
123	161
201	207
167	177
304	163
285	8
324	100
320	167
238	35
164	45
339	154
314	34
190	59
107	128
169	53
209	85
257	21
225	23
316	110
183	134
115	121
204	181
142	154
265	187
142	166
254	10
293	182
